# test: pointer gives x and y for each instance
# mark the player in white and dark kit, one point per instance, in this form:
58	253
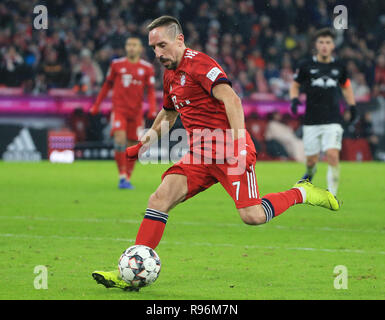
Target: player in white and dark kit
323	78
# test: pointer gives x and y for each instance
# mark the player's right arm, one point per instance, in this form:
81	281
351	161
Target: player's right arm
294	91
161	125
164	120
107	85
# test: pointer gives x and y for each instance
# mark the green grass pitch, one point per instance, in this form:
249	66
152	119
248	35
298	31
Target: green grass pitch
74	220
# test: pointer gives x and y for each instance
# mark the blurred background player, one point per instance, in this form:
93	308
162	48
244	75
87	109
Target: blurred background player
128	77
322	78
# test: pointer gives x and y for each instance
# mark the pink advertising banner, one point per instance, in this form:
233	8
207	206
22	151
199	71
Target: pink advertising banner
59	105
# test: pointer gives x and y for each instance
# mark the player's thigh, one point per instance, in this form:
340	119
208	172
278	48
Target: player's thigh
253	215
170	192
195	176
312	139
332	137
118	124
242	188
132	129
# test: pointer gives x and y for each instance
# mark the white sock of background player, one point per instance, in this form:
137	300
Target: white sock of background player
333	178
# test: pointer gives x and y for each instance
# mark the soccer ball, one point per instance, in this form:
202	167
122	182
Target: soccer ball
139	266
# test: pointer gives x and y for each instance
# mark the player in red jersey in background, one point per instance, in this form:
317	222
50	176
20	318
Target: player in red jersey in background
197	89
128	76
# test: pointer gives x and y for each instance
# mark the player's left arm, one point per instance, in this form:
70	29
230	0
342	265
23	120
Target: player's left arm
234	111
233	106
347	92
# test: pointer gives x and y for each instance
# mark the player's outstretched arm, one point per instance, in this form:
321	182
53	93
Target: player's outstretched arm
162	125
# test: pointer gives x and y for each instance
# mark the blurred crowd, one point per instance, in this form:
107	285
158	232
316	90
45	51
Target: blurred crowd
257	42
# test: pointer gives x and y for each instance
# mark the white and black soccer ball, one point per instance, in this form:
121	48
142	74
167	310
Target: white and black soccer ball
139	266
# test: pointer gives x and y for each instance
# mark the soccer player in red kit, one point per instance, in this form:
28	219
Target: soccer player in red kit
197	89
128	77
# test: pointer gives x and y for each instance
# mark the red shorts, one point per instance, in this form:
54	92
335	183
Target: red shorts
242	188
120	121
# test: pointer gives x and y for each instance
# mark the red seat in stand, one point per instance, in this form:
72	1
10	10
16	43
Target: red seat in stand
355	150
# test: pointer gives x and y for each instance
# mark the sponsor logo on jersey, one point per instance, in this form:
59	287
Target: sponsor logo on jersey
22	148
213	73
324	82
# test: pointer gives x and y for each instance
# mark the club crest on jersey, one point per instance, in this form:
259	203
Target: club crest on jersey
140	71
335	72
123	70
182	79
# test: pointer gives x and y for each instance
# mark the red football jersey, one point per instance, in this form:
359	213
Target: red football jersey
128	81
188	90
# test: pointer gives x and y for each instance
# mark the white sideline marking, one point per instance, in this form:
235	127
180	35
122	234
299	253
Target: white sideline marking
189	223
199	244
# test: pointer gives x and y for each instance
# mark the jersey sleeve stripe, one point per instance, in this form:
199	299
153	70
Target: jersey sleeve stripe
218	81
346	84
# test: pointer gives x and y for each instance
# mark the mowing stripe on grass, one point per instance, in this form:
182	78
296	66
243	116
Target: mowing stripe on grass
189	223
201	244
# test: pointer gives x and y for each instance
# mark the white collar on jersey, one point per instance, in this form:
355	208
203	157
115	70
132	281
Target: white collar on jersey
316	60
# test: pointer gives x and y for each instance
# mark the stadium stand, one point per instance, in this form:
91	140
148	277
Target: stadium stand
258	43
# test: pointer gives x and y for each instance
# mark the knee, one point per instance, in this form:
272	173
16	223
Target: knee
159	201
311	161
156	201
120	140
253	215
333	159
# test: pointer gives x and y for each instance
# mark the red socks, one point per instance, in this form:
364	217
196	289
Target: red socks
120	158
152	227
276	203
125	166
130	164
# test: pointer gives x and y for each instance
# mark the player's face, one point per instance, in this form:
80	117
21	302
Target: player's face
324	46
133	48
167	49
